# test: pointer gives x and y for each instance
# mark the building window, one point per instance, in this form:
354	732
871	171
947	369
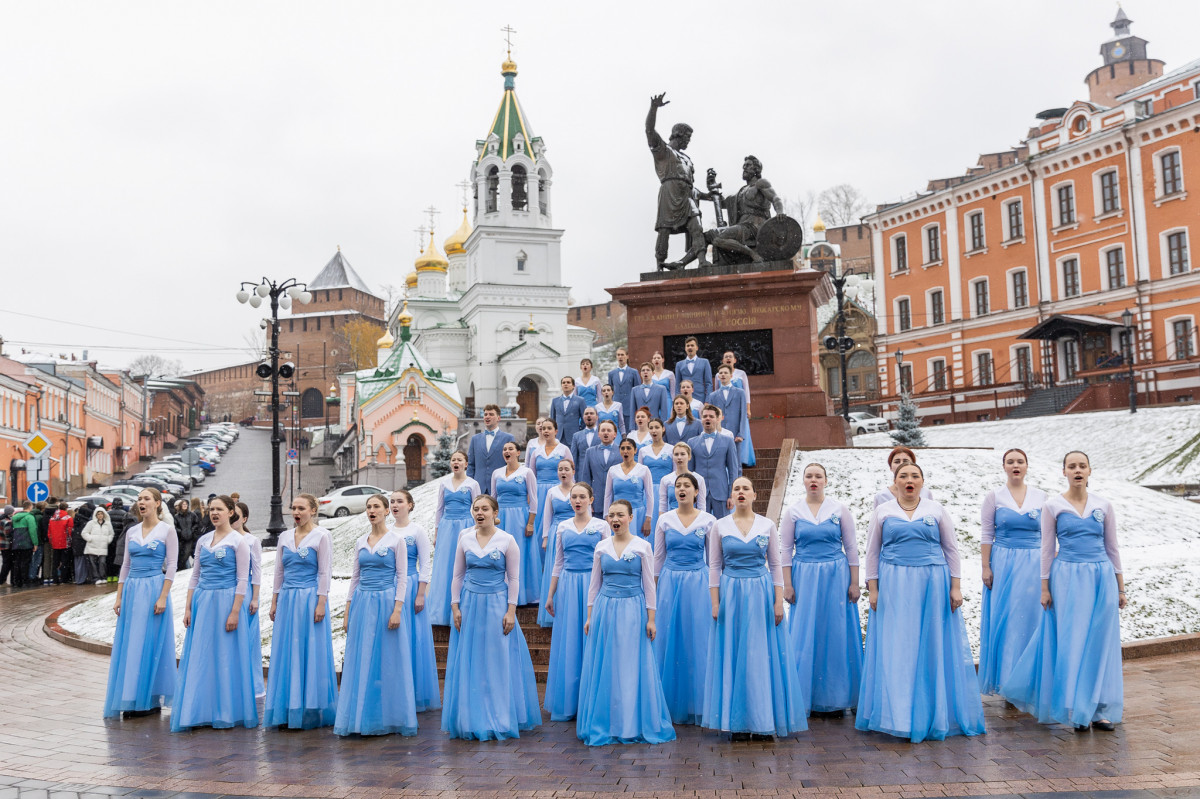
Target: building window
903	315
1070	270
608	309
1181	331
933	244
578	314
834	380
1177	252
291	325
1016	222
981	297
937	311
906	378
1066	204
1115	259
939	375
1070	358
901	253
976	225
983	364
304	325
318	323
1110	194
521	257
1020	287
593	311
1172	173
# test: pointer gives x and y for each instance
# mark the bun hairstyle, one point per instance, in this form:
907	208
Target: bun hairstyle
412	503
586	487
901	450
623	502
383	500
309	500
490	500
225	500
243	511
818	465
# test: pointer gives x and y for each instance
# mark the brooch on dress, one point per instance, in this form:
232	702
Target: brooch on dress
302	552
495	554
409	540
1098	515
153	545
763	540
219	553
833	517
929	520
627	555
1034	514
382	553
700	531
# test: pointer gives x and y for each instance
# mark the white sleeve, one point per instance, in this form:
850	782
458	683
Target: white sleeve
424	563
648	575
987	518
787	534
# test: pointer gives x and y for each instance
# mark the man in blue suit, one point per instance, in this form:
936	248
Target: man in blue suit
567	410
732	402
586	438
694	368
715	458
649	395
622	379
485	450
593	469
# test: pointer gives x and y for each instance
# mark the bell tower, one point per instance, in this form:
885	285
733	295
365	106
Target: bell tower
1126	65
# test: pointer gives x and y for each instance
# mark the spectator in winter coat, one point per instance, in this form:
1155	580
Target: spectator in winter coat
6	543
59	530
25	538
116	550
83	515
98	534
186	525
39	548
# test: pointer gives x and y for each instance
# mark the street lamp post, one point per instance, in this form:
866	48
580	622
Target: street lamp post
845	287
1127	319
281	295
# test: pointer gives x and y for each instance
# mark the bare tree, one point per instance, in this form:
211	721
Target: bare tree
842	205
801	209
390	292
154	365
255	344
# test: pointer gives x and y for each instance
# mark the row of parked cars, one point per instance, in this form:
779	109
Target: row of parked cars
171	475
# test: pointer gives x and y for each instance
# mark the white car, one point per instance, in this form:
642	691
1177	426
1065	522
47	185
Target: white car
861	422
347	500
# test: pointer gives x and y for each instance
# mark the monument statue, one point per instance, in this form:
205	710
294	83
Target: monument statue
677	208
749	210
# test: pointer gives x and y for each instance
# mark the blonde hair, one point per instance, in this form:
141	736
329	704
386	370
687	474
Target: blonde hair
309	499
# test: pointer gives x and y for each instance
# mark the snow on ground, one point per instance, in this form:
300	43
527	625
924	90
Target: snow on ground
1158	534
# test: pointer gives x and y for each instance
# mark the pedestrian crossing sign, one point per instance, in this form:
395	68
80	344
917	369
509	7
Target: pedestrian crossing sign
37	443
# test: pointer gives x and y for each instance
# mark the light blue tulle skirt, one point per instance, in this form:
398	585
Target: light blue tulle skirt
437	596
254	645
620	696
141	671
514	521
825	636
215	688
746	448
426	691
544	619
919	678
376	695
1071	671
490	688
1012	609
301	684
752	682
567	645
684	621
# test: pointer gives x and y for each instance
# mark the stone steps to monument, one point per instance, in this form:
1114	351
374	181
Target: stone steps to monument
762	476
536	636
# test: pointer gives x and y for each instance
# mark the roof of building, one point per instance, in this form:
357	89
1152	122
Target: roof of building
510	117
403	357
1162	80
338	273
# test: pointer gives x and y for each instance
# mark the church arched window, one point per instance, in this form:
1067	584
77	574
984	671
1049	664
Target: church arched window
493	189
542	200
520	189
521	259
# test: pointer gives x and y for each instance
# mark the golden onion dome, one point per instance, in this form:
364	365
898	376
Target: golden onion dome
405	318
385	341
457	242
819	227
411	280
508	67
432	260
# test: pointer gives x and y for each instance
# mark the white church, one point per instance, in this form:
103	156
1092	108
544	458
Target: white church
493	309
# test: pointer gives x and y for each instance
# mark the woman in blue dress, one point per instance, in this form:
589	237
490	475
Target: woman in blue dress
141	670
575	544
684	621
620	694
455	493
215	687
753	689
426	690
899	456
740	380
301	686
662	375
918	679
515	489
376	694
1071	672
587	385
490	688
656	456
1011	540
607	409
820	579
631	481
556	509
543	461
681	456
640	434
252	596
682	426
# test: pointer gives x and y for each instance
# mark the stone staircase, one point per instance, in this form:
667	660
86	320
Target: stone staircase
762	474
1047	401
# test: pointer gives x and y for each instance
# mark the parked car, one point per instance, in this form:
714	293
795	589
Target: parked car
179	469
99	500
127	493
863	422
345	501
176	483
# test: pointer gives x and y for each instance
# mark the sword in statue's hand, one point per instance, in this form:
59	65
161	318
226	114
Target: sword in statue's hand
714	194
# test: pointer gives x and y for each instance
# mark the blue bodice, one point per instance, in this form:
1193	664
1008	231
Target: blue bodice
915	542
578	548
560	511
511	492
664	381
589	394
485	575
685	550
613	415
818	542
218	567
299	567
410	543
146	560
377	570
1080	540
745	558
622	576
547	467
456	504
629	487
1018	530
660	466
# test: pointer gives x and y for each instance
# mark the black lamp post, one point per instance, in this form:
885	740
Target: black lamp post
1127	319
281	295
824	258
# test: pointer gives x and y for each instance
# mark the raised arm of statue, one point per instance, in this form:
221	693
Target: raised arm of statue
656	102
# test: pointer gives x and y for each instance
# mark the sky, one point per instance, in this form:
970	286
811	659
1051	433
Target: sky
155	154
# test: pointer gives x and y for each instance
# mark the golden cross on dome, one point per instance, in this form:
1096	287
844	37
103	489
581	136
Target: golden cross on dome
508	31
433	212
421	232
465	185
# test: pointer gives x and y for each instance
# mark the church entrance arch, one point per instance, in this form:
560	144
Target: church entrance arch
312	404
527	399
414	459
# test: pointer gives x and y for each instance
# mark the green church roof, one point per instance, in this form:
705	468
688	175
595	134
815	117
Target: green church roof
510	118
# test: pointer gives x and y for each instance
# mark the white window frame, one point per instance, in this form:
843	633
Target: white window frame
929	306
971	298
1102	254
1061	279
1009	237
1159	194
895	252
896	313
1098	194
1169	333
1012	294
929	372
926	258
970	244
975	375
1056	209
1165	250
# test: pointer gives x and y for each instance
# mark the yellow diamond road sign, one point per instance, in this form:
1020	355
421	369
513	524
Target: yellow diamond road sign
37	443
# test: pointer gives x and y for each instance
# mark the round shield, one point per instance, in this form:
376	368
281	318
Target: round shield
780	238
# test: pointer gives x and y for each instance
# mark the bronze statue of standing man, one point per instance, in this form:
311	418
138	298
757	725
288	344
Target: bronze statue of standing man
677	208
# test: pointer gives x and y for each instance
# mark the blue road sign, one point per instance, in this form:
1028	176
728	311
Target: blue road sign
37	492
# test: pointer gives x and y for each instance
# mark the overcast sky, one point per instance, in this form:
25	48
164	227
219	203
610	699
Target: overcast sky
156	153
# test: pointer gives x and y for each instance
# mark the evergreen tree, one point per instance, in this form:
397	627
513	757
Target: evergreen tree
440	464
908	427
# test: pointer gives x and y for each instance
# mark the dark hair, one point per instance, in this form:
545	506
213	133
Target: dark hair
567	377
654	419
412	503
625	502
628	441
62	506
691	478
691	339
491	407
585	360
609	422
687	411
244	509
225	500
490	500
585	486
708	406
1076	452
548	420
387	502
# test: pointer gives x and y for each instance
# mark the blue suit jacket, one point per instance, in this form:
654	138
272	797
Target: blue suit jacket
690	430
720	468
594	471
622	385
569	421
701	377
658	402
580	445
481	461
734	408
